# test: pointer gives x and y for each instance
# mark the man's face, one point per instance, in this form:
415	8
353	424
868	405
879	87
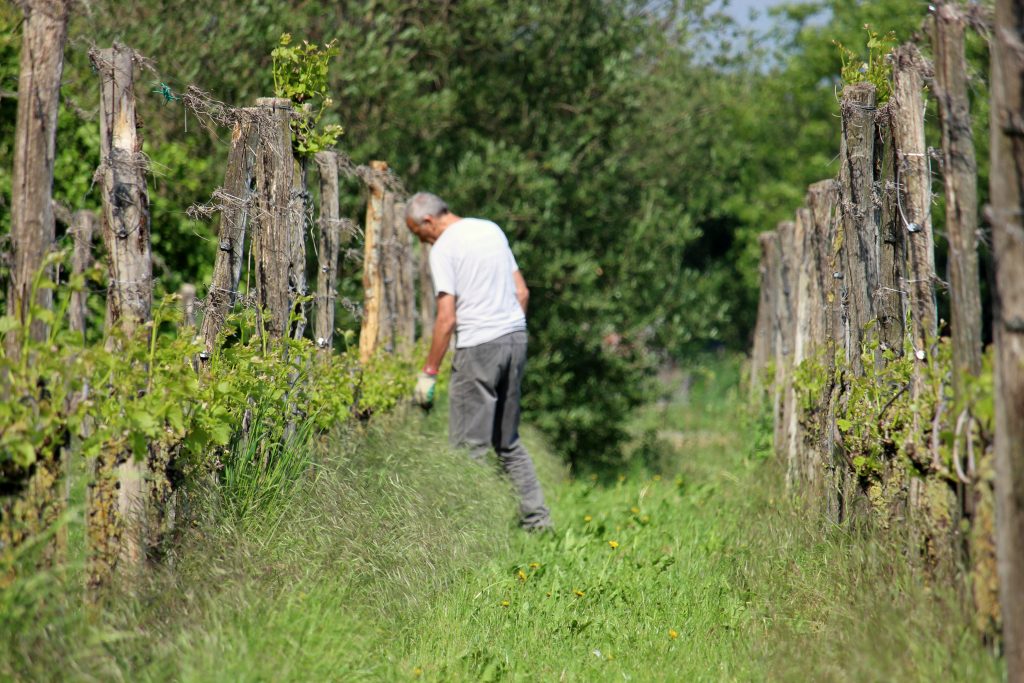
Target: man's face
425	231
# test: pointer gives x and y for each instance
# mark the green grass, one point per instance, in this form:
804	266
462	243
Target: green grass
399	560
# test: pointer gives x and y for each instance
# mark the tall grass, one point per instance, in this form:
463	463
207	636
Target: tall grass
392	558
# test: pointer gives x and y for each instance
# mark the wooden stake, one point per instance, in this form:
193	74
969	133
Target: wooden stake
859	236
330	242
373	280
764	339
890	298
784	311
297	244
960	173
406	287
274	167
44	32
388	269
1006	189
83	227
234	217
188	309
428	302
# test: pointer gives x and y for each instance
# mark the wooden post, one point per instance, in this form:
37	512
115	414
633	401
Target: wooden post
428	302
764	340
234	216
44	32
1006	189
330	242
297	244
960	172
801	277
274	168
890	299
406	325
373	281
388	269
784	311
117	511
859	236
915	195
83	227
188	308
825	461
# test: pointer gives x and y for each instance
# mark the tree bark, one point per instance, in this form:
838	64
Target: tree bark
373	280
960	173
44	33
234	216
330	243
274	167
1006	189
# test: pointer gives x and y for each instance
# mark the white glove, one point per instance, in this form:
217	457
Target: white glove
424	393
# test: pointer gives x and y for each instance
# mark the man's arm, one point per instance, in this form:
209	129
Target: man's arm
522	292
444	325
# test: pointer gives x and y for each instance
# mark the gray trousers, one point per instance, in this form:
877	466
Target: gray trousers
484	413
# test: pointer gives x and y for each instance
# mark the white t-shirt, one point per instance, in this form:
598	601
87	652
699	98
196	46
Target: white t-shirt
471	260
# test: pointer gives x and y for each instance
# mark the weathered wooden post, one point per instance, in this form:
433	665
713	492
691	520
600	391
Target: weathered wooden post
800	278
117	500
1006	189
960	171
236	199
859	231
44	32
890	299
188	308
784	311
388	268
373	280
406	284
83	227
330	242
428	302
763	349
298	203
271	241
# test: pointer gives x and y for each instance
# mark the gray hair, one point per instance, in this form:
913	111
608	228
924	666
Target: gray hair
423	204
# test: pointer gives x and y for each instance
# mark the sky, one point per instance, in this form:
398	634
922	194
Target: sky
740	10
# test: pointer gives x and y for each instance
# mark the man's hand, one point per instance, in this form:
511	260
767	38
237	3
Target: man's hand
424	392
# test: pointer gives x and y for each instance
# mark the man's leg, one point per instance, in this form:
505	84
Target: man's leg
512	454
472	399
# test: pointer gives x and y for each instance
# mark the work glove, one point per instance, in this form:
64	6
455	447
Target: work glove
424	392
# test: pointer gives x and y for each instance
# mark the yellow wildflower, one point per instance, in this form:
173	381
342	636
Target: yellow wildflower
504	603
613	544
579	593
645	519
534	565
587	518
635	510
522	575
673	634
417	672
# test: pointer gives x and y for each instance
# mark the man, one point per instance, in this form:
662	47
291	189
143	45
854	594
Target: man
481	297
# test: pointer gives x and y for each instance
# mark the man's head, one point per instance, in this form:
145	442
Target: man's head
427	216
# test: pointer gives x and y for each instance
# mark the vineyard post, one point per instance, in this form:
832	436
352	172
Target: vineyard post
298	204
330	242
822	198
386	248
801	278
1006	185
960	172
117	511
406	327
890	299
428	302
784	330
373	281
234	216
83	227
764	339
859	231
44	32
188	309
274	166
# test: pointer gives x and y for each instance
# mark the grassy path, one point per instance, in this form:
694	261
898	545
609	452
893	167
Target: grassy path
397	561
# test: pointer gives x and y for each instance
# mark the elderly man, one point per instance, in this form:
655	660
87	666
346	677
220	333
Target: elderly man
481	297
